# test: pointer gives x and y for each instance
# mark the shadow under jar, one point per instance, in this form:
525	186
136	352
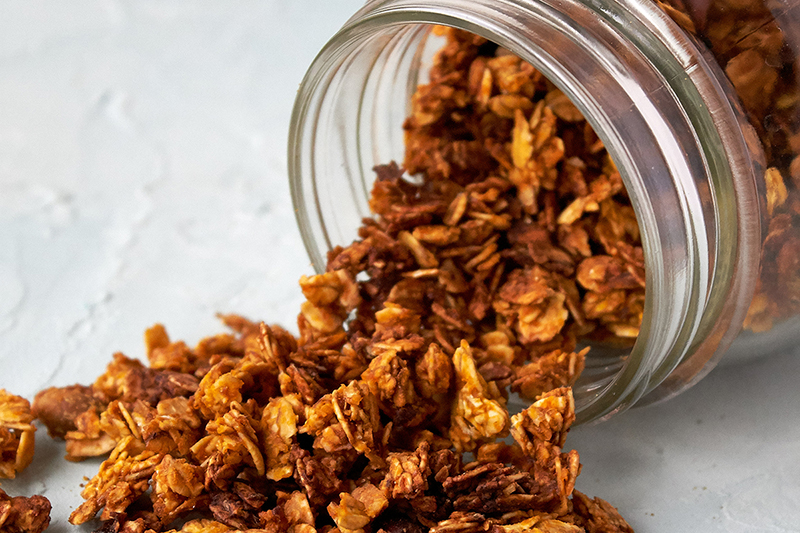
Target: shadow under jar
697	105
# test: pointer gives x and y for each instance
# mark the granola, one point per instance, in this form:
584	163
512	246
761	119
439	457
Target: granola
16	434
476	280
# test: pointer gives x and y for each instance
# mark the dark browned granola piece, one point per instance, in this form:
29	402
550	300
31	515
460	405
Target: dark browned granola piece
58	407
23	515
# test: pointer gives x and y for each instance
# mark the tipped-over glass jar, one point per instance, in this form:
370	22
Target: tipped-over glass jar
698	105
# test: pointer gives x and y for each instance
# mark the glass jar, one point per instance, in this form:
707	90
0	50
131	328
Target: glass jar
693	102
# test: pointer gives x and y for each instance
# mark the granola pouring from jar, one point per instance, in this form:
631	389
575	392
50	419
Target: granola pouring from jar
539	179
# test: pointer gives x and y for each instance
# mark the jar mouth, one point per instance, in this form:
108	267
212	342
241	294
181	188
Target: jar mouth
652	101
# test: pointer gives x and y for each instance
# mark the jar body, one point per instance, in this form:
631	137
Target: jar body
685	135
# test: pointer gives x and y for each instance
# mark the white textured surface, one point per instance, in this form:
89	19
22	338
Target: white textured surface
143	179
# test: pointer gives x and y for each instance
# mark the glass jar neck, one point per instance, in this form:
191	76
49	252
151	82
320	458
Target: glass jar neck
657	103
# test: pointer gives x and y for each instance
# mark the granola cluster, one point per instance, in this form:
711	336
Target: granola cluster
752	42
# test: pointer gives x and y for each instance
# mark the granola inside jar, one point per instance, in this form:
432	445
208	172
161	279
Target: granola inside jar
637	164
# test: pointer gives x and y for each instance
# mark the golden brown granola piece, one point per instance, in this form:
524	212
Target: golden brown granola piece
539	524
536	310
461	522
221	345
128	380
540	431
604	273
172	427
547	372
299	515
499	346
546	421
478	413
499	452
155	337
88	438
407	473
626	322
24	515
16	434
218	389
321	422
331	287
321	475
525	287
169	427
119	421
165	355
434	373
345	423
389	379
556	473
543	321
330	297
273	347
357	509
438	235
395	322
241	507
122	478
356	410
231	444
776	190
603	304
176	488
492	489
754	79
425	258
761	313
279	428
123	379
